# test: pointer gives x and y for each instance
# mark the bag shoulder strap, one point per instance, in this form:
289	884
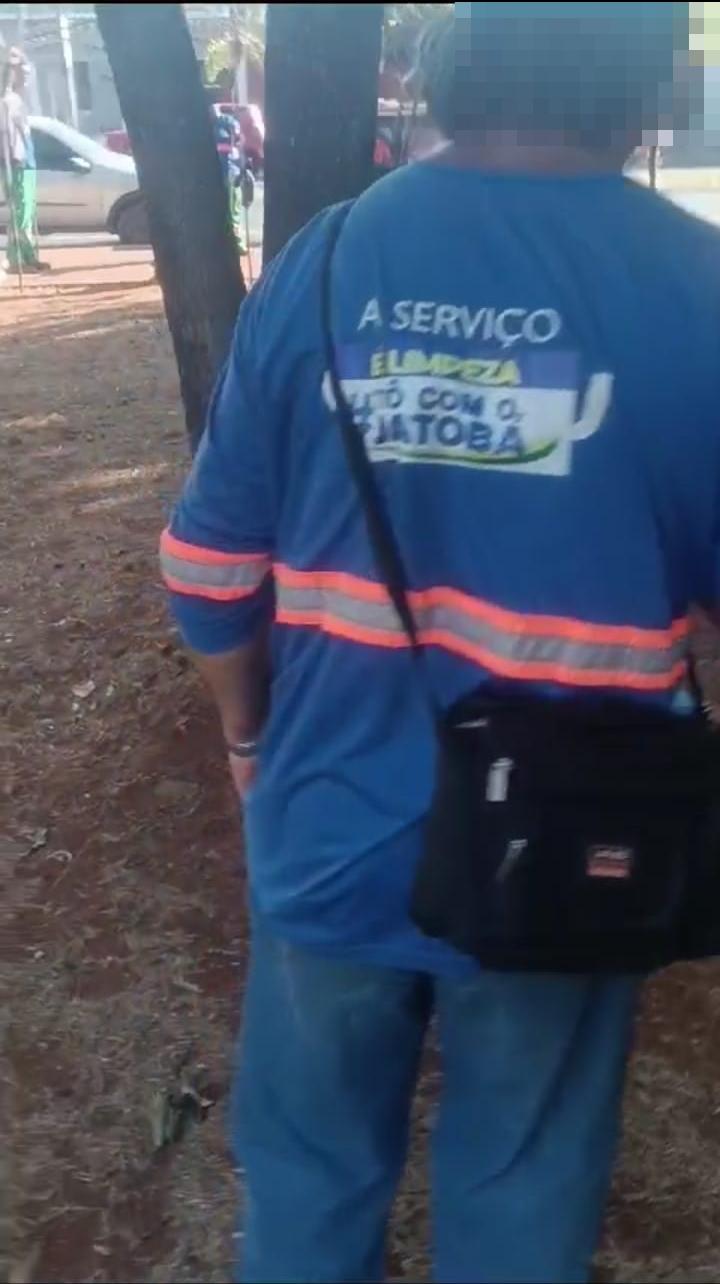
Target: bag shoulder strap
380	532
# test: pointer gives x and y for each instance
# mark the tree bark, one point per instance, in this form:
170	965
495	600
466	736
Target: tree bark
322	66
168	120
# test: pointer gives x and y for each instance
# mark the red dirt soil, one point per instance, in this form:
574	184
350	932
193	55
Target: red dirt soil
124	942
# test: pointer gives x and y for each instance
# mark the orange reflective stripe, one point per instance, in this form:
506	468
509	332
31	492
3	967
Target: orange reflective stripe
500	617
341	628
505	667
208	573
214	593
530	648
550	625
205	556
333	581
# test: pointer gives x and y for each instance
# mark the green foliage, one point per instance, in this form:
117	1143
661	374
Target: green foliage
246	36
247	32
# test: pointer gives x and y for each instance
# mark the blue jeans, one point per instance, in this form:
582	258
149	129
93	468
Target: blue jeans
533	1070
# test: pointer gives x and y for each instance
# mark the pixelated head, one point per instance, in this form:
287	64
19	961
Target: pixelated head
590	74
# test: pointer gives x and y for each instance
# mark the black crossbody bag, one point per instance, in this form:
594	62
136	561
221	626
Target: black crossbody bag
575	834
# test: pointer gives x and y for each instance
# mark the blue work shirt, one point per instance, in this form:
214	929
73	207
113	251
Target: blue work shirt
534	364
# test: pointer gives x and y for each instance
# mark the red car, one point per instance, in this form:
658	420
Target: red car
117	141
404	133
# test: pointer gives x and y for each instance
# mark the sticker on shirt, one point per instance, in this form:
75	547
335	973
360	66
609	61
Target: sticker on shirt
522	412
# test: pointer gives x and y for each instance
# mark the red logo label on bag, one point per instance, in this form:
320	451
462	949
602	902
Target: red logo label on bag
609	862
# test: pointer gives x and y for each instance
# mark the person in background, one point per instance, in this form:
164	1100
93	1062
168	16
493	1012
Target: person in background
19	176
557	514
229	143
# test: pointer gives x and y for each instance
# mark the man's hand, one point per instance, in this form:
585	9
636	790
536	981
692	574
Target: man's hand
238	681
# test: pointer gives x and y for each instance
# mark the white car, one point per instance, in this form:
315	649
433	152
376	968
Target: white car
83	186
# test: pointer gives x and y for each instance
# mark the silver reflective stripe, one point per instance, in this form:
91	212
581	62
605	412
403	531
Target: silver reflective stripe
526	648
518	648
239	575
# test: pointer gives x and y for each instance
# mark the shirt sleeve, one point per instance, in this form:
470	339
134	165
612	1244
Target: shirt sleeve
216	554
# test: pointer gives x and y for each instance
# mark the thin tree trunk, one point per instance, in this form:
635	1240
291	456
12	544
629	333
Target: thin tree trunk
168	120
321	85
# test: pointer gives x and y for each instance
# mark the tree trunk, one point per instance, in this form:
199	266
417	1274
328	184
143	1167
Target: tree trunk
169	123
321	85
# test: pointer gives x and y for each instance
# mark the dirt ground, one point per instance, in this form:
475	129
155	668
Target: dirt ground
123	943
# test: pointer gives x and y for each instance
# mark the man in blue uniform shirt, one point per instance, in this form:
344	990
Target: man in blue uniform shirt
530	345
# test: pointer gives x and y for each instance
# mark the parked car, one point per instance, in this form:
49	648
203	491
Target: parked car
83	186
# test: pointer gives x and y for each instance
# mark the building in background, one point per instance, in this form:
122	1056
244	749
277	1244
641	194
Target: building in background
71	78
70	75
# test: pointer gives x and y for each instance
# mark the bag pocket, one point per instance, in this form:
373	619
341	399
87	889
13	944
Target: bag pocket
591	857
596	870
